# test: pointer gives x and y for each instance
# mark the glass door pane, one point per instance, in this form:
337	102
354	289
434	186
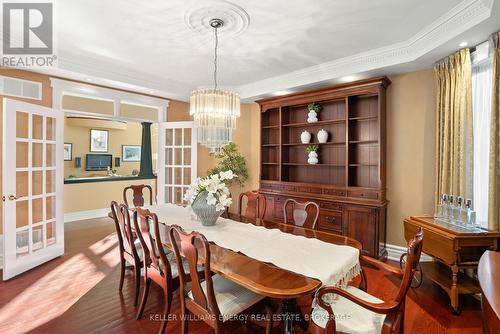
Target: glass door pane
35	182
179	168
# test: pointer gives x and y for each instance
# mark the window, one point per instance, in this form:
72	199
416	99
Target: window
482	77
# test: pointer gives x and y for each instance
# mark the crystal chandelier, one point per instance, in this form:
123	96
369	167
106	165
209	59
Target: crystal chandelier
214	110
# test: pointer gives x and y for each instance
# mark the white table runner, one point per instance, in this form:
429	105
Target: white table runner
332	264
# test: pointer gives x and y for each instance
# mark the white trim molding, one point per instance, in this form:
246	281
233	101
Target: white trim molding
89	214
464	16
459	19
394	253
61	88
1	251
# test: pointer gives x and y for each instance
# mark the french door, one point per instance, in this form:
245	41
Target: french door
177	153
32	180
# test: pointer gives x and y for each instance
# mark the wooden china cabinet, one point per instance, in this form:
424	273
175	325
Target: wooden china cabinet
348	183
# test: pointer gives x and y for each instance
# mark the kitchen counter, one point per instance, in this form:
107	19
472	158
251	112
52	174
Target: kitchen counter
106	178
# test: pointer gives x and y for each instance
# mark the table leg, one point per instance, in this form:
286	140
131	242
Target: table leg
454	290
288	307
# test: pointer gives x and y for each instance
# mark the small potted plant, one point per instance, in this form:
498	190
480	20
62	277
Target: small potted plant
209	197
314	109
313	154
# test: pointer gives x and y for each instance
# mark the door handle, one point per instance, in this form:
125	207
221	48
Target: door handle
12	197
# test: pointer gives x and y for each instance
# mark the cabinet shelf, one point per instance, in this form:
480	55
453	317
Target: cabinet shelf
375	142
271	127
307	144
306	124
311	165
270	163
365	118
270	145
363	165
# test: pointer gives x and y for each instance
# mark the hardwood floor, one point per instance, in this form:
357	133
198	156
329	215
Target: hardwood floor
78	293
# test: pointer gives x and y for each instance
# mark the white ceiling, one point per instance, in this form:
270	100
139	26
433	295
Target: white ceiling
162	47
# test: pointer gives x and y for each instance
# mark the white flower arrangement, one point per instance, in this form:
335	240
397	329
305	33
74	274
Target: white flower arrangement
214	185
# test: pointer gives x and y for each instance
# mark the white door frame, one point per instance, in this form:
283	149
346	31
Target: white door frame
161	153
13	265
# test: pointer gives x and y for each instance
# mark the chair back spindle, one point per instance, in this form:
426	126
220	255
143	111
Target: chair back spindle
255	206
152	246
414	252
157	267
123	227
195	248
138	194
302	214
127	244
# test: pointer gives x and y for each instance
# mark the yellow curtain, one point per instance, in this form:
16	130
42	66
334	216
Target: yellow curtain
494	169
454	125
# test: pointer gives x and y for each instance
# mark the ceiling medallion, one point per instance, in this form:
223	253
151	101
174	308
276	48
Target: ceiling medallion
199	17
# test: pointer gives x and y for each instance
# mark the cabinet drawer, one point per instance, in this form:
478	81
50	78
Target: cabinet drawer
265	185
334	192
310	190
330	220
330	206
363	194
288	188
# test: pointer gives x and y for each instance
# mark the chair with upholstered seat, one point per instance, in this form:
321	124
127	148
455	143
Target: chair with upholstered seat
255	206
354	311
138	194
129	245
159	267
215	299
302	214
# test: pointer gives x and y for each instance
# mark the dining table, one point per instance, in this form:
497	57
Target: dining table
248	268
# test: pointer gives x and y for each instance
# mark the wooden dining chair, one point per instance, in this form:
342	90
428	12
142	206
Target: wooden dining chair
159	267
256	205
138	194
303	214
129	245
355	311
215	299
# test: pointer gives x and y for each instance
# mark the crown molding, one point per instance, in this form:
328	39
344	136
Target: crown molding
77	67
459	19
462	17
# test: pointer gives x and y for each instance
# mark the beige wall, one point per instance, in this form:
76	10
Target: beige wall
411	126
78	134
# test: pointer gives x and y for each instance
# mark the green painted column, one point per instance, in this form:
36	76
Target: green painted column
146	169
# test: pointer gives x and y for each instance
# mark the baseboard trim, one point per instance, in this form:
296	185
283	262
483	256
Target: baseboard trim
394	253
1	251
89	214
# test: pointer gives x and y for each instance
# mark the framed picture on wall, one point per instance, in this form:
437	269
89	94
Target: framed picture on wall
99	140
68	151
131	153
